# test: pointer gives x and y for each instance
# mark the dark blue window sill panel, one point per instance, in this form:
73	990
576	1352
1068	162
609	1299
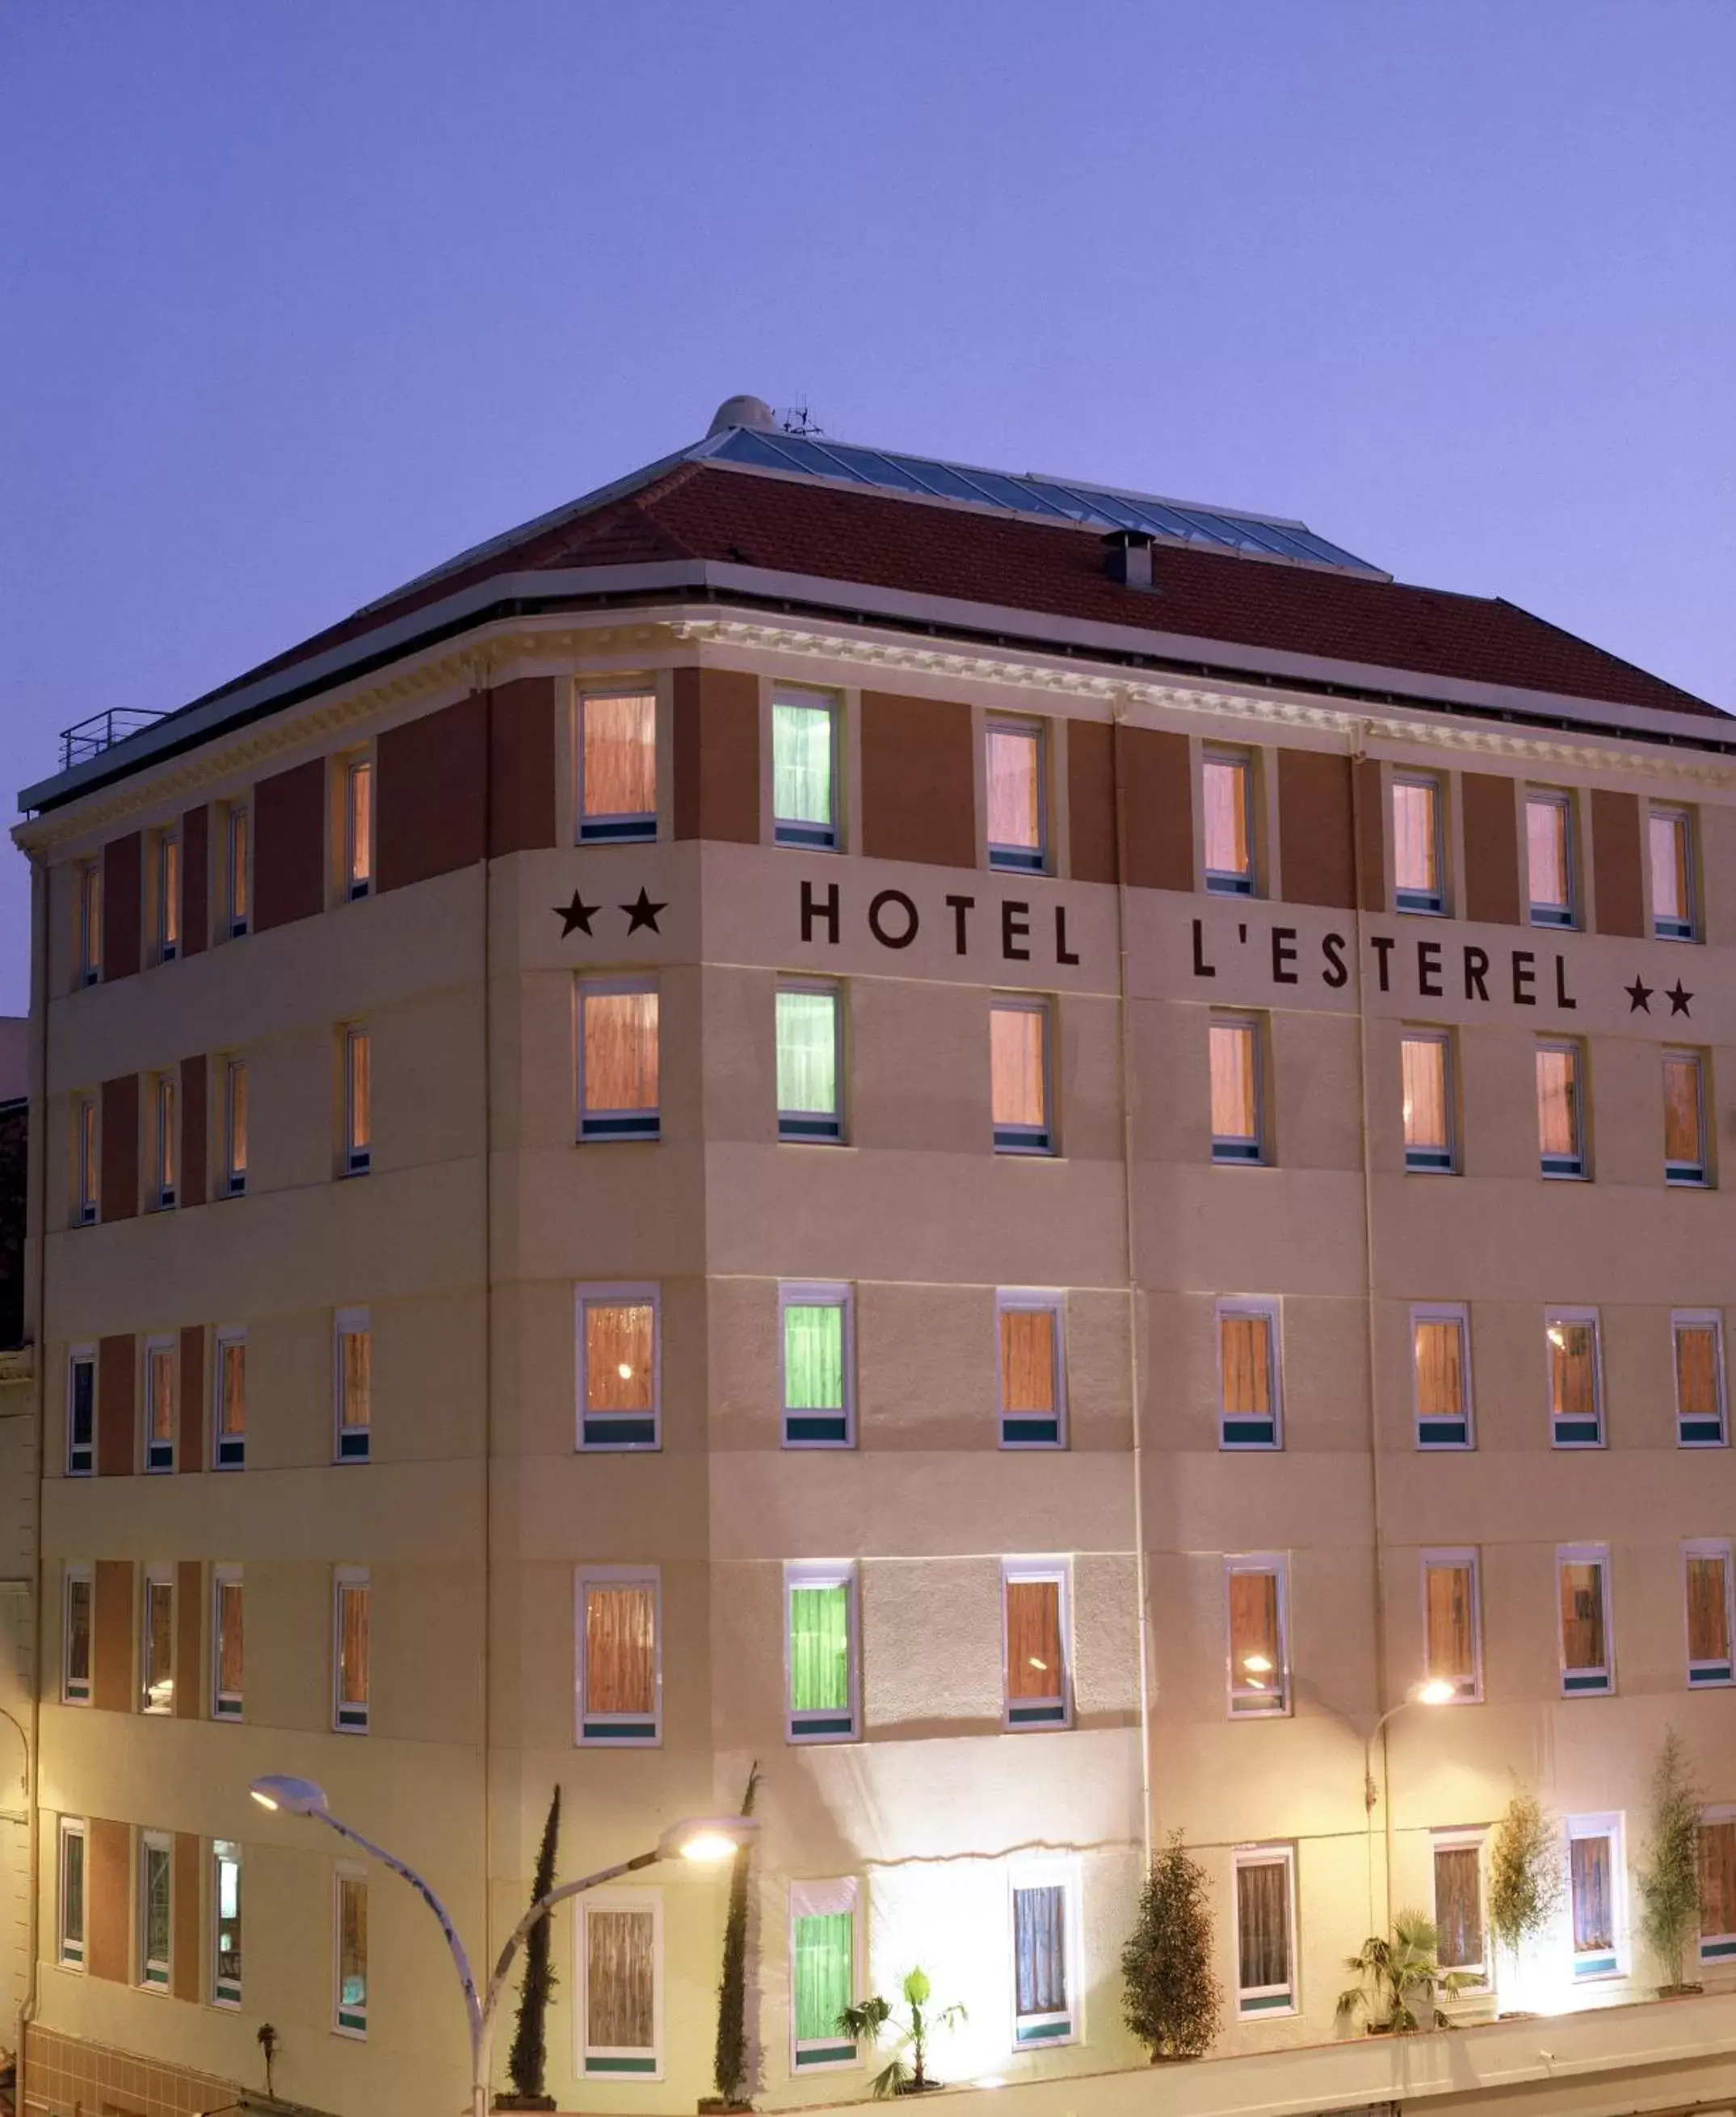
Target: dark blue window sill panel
817	837
815	1429
1249	1433
810	1129
1578	1433
1016	859
638	1732
1033	1432
1701	1433
632	1126
1037	1716
1443	1433
616	830
612	1432
1241	1151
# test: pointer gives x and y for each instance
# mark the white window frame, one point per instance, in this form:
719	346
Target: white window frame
1562	1433
160	1457
817	1294
1429	902
1691	1175
359	765
1023	860
154	1975
1433	1160
227	1704
1579	1683
86	1160
225	1991
1264	2002
1573	1168
229	1452
350	1718
156	1577
610	1295
81	1456
1027	1139
1057	1711
1270	1307
238	838
351	1444
1717	1950
1466	1841
1699	1319
615	1730
825	1573
359	1154
631	826
1238	1149
167	881
1709	1675
89	913
606	2064
609	1125
1455	1315
1665	928
812	1127
840	1896
790	831
1048	2030
234	1077
1614	1962
350	2021
1032	1301
70	1573
1246	1702
165	1098
70	1951
1221	882
1470	1691
1561	917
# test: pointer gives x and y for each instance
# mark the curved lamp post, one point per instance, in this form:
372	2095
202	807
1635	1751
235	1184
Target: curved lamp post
1436	1691
705	1839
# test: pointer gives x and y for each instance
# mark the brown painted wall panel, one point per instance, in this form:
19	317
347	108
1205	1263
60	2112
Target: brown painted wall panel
111	1636
1371	833
190	1443
189	1639
1618	881
521	766
289	845
1091	799
429	792
1491	807
919	780
717	755
117	1371
123	885
119	1199
1157	807
193	1101
185	1953
196	880
108	1899
1314	829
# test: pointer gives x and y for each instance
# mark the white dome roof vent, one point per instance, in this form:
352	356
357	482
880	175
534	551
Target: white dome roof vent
742	411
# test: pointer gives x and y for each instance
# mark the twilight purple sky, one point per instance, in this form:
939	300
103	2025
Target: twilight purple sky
299	300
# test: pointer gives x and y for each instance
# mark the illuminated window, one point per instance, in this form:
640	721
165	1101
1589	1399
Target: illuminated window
350	1908
164	1141
353	1384
1045	1976
1709	1613
1249	1396
1462	1939
161	1380
810	1022
358	1103
1451	1619
1417	865
1034	1624
617	767
804	769
1228	784
618	1366
1670	832
1440	1339
1597	1886
1549	844
167	894
1016	803
234	1127
1582	1574
358	827
823	1979
1033	1375
1684	1119
1259	1666
156	1908
351	1615
618	1060
90	923
621	2001
237	869
1561	1144
1576	1380
230	1400
225	1924
75	1635
820	1652
816	1356
1265	1930
87	1166
619	1675
157	1641
1235	1045
1019	1086
227	1640
1717	1885
71	1950
1426	1065
1699	1350
81	1411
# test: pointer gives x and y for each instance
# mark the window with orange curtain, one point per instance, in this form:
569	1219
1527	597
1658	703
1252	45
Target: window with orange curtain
1234	1047
90	923
1248	1370
352	1627
619	1698
1670	835
352	1955
161	1388
1226	786
1699	1379
1560	1143
1718	1888
157	1644
359	1102
358	827
165	1141
1450	1608
619	1083
229	1389
617	766
1709	1625
1684	1117
1416	842
1030	1372
1015	791
1548	841
226	1651
1019	1058
235	1126
618	1366
1575	1395
1440	1350
353	1355
1425	1076
168	896
1583	1576
1035	1603
1259	1675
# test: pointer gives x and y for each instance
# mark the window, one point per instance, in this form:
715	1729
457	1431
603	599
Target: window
162	1158
1710	1623
1560	1129
820	1633
1018	1057
1717	1885
1699	1344
1249	1393
81	1412
1265	1930
1236	1099
1425	1059
349	2001
86	1165
168	894
620	1685
816	1364
1417	866
226	1643
1684	1119
621	2009
157	1641
1033	1371
90	923
1016	805
1458	1903
75	1635
70	1948
804	769
618	1061
617	767
1670	832
358	1103
822	1972
1582	1572
1596	1881
618	1368
1228	780
230	1400
237	872
156	1908
353	1384
1576	1387
1036	1691
1046	1981
1259	1664
225	1924
1440	1340
810	1050
1548	848
358	827
1453	1624
160	1379
349	1649
234	1127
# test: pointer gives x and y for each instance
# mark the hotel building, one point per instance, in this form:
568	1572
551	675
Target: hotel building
1023	1152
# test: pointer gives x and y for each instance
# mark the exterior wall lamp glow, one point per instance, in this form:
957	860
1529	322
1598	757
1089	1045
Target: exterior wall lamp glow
704	1839
1436	1691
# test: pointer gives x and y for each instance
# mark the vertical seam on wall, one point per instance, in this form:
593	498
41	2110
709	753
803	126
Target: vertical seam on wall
40	1155
487	1073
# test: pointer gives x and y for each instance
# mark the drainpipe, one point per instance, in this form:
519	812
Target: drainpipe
487	1073
36	1198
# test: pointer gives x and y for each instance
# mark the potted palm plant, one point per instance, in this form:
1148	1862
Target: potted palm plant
864	2021
1400	1979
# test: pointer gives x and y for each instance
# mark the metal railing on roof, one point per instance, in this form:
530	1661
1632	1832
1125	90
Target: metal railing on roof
102	731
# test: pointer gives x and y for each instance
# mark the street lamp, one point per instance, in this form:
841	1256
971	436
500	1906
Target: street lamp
1436	1691
704	1839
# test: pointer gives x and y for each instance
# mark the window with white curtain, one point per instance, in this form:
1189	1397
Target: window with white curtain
1597	1888
1046	1983
620	2013
809	1025
619	1674
1265	1930
225	1924
804	807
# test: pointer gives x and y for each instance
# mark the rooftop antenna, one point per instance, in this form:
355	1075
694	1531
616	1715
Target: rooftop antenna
799	420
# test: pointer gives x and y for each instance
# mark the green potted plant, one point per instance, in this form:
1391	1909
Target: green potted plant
864	2022
729	2057
1171	2001
527	2062
1524	1873
1400	1979
1669	1883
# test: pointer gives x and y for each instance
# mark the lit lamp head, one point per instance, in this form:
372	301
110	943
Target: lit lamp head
295	1796
1436	1691
706	1839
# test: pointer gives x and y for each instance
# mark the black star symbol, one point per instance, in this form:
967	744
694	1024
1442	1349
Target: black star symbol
643	912
576	915
1639	997
1678	999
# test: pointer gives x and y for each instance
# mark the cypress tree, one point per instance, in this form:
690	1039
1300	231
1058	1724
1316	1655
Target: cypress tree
527	2066
729	2063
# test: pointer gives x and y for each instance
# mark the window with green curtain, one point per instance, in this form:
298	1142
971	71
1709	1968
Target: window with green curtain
820	1649
807	1053
822	1963
802	763
814	1357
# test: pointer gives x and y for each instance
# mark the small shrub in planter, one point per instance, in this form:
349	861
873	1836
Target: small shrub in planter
866	2020
1400	1978
1525	1874
1669	1883
1172	2002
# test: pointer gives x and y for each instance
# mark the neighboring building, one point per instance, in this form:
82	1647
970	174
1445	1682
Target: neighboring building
740	1126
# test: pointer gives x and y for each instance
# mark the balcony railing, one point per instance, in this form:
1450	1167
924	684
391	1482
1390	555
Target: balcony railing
90	738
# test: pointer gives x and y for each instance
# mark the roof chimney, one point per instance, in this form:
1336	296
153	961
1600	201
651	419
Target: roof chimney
1127	557
742	411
